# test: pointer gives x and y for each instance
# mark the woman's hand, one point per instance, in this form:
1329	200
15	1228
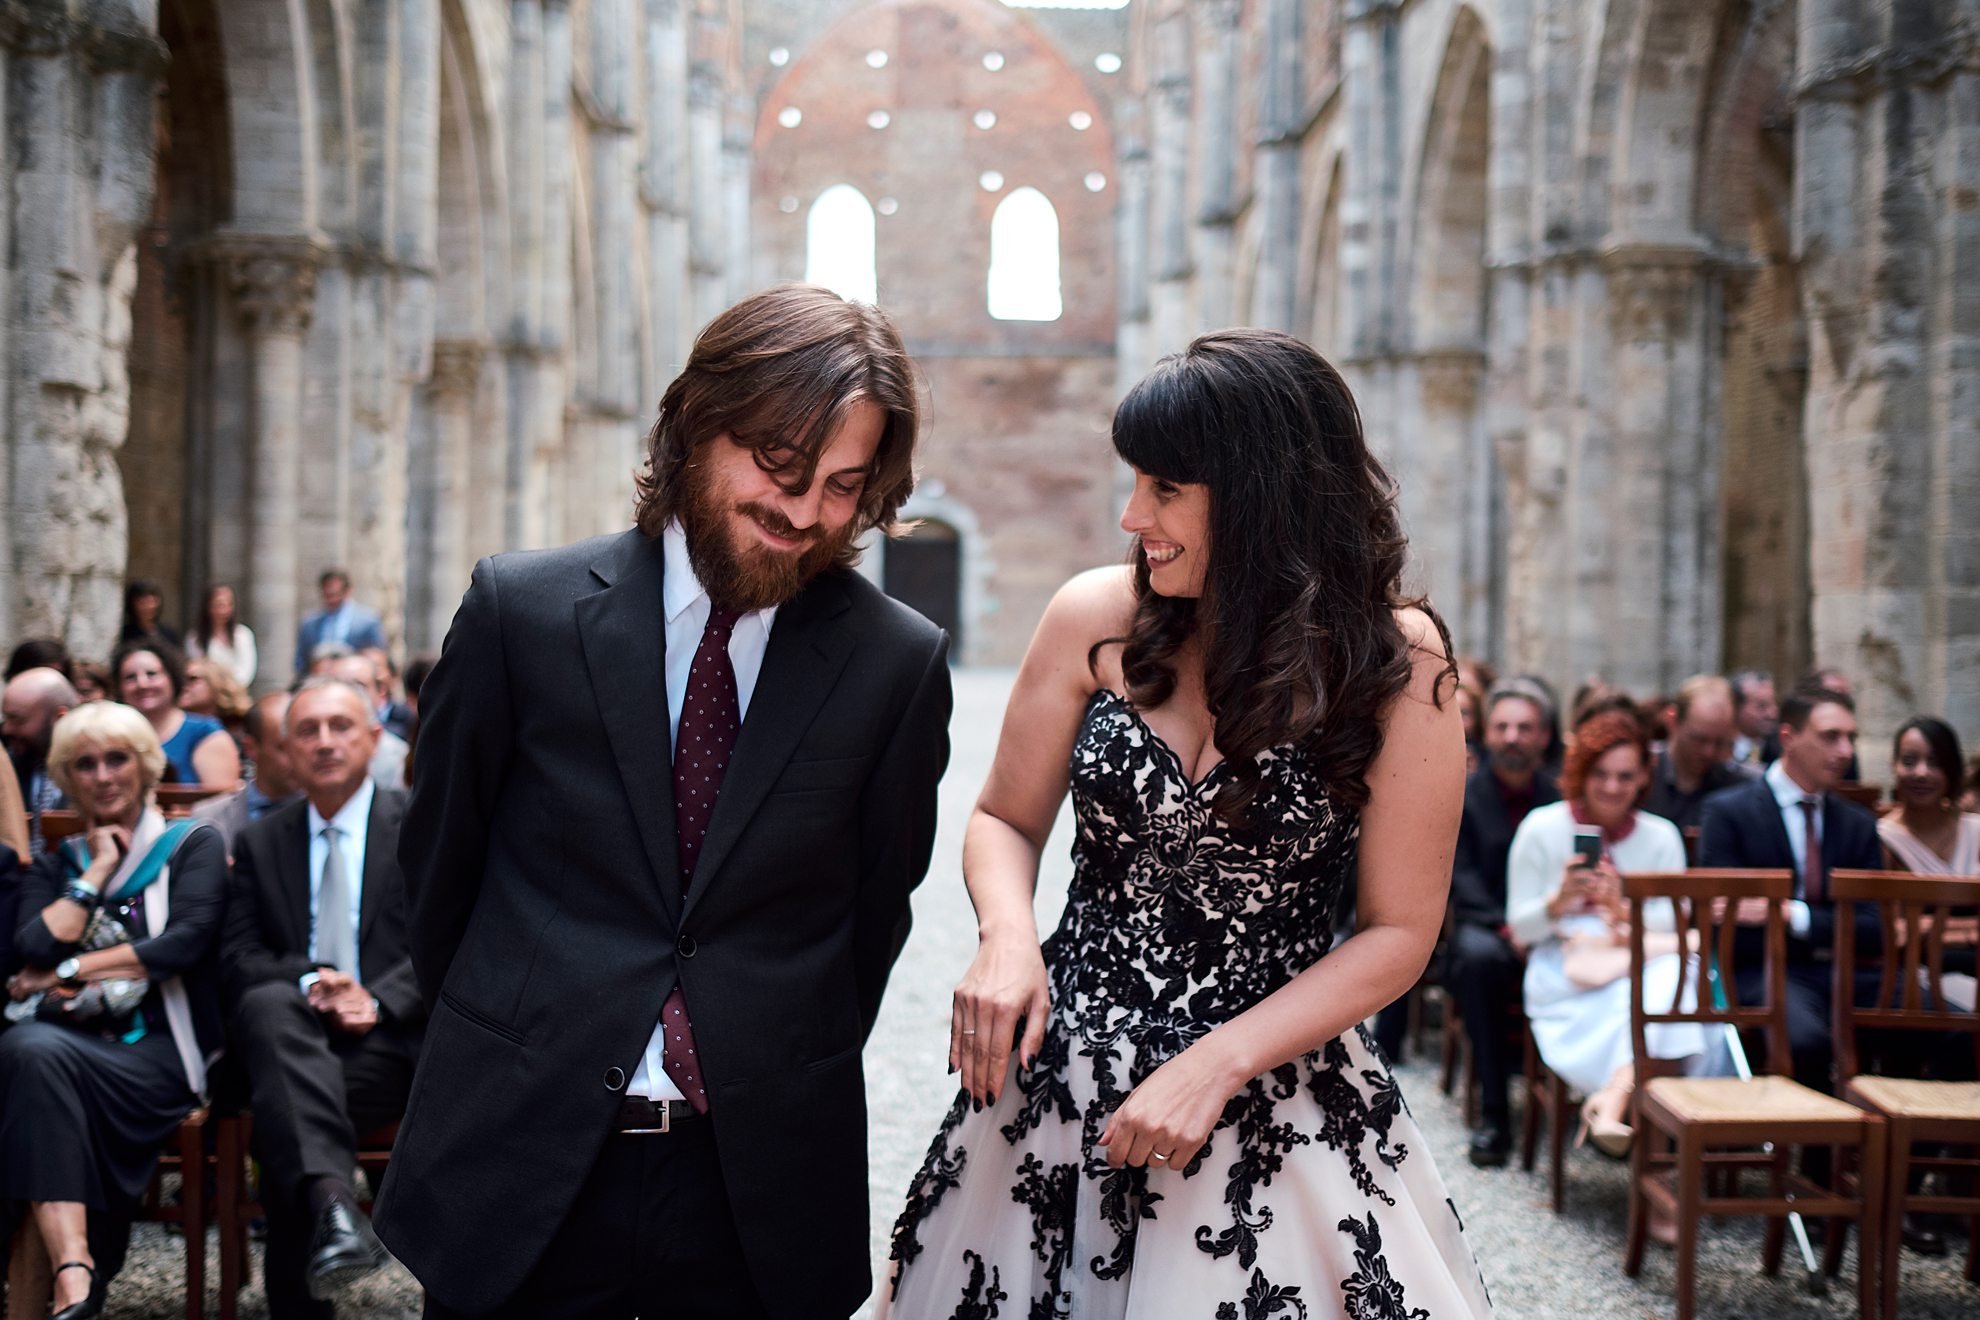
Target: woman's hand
107	846
1573	890
1005	982
1165	1120
1605	895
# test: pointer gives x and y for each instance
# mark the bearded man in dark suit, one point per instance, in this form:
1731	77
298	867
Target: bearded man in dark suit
674	789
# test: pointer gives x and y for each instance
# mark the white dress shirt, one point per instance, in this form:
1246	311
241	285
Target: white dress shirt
1789	795
352	821
686	606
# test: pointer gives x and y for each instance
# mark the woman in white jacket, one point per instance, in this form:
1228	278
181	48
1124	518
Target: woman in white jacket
1571	917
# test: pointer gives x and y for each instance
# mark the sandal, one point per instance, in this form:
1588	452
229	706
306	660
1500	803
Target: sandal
90	1307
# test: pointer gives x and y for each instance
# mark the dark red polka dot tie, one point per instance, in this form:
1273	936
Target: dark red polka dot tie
711	717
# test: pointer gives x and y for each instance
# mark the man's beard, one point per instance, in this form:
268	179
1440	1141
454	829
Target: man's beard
1513	761
754	576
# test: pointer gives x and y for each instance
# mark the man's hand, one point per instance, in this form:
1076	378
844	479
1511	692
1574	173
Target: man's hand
1752	911
345	1003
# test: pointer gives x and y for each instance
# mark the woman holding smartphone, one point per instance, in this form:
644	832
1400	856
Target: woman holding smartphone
1564	903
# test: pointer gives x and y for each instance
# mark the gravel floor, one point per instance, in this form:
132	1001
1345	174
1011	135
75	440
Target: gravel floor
1539	1266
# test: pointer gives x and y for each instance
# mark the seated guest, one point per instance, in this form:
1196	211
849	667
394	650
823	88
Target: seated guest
1697	762
117	1008
415	679
220	636
40	653
388	761
1757	714
92	680
30	706
272	783
1928	833
142	603
1835	681
11	871
1484	967
1574	922
1790	817
393	715
340	620
212	690
327	1016
151	677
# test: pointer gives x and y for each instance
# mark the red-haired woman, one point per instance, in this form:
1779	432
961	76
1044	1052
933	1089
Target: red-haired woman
1572	918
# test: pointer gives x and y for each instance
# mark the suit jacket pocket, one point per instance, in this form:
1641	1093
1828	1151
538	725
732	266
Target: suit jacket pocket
836	772
475	1017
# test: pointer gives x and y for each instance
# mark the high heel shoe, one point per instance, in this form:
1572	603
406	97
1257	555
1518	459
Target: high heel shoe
1608	1135
90	1307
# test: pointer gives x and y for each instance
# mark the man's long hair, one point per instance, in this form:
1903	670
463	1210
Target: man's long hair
1298	613
776	374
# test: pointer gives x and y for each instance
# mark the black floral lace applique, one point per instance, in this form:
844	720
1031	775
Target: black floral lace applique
980	1295
1371	1292
941	1173
1350	1118
1263	1300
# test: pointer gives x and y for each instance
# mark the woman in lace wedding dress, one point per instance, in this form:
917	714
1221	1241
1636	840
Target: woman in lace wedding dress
1170	1109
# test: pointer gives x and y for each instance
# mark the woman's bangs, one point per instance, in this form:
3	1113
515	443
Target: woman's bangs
1156	432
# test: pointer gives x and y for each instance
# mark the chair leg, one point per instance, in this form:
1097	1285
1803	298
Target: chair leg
1776	1234
1888	1144
1557	1121
1838	1239
1690	1179
192	1214
1529	1113
1639	1208
1451	1033
232	1161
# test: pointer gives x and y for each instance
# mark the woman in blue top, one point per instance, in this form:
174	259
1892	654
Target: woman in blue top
150	676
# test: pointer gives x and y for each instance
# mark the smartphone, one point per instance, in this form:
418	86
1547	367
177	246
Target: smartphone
1587	845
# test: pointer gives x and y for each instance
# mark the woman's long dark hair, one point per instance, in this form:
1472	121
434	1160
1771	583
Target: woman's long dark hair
1297	619
1943	744
206	631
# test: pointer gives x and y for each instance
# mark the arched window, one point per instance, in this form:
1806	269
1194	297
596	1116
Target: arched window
1024	259
839	244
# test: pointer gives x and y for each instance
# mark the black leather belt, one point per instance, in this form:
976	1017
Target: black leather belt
639	1116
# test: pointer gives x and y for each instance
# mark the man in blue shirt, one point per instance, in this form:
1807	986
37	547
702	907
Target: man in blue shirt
340	620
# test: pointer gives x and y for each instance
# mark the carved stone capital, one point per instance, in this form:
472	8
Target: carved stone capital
456	367
272	279
1652	290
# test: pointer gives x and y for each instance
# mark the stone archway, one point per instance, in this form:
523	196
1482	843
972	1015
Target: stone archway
923	570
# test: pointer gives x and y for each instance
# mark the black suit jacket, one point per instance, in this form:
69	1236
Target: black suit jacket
549	922
268	917
1742	827
1478	870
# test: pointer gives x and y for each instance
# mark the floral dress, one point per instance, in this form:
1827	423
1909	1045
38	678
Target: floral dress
1313	1197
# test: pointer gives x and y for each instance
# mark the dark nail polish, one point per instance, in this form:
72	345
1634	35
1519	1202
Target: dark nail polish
976	1104
952	1070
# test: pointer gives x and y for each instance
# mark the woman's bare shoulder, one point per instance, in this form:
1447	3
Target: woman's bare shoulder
1091	608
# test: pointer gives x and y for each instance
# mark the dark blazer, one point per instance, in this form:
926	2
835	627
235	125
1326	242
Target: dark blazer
1485	834
268	919
1742	827
186	946
549	922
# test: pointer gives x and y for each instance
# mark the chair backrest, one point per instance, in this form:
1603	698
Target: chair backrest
1704	904
1691	836
59	823
183	796
1920	915
1862	794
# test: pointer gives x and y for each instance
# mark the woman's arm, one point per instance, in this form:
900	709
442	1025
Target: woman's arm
216	760
198	906
1533	881
53	924
246	660
1012	820
1408	834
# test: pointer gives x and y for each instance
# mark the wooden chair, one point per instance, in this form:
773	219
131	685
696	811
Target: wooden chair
186	1156
1917	911
238	1205
59	823
176	798
1689	1127
1867	796
1547	1097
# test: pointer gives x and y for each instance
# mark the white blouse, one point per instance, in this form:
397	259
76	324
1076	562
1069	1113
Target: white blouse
240	657
1541	848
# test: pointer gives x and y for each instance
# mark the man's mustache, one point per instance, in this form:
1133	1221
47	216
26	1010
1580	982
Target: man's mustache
776	523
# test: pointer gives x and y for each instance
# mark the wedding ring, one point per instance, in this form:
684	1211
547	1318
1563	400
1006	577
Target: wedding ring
1163	1158
969	1031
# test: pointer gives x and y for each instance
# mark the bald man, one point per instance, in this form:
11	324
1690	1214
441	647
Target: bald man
1698	762
29	706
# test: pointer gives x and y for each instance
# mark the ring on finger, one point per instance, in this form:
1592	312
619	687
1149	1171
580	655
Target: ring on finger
969	1031
1163	1158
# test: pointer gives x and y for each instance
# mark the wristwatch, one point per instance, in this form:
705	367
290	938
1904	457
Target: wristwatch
68	969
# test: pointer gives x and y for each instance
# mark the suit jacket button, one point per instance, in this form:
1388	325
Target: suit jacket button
685	946
615	1079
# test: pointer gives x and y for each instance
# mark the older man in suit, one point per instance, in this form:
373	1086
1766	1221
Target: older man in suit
327	1014
1791	818
1484	967
674	789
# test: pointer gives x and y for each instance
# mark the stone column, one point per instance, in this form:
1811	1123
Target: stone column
273	282
1132	354
708	208
1452	542
664	193
439	559
1275	288
1169	135
1213	237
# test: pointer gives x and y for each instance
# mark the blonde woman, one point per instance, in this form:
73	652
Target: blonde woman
116	1011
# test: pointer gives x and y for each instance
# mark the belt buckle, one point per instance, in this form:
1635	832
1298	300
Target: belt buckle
666	1123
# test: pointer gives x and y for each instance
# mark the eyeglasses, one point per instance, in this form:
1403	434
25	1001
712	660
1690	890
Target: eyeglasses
115	759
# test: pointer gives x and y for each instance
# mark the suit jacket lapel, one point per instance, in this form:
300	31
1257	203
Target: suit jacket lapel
808	647
292	872
624	633
381	841
1777	827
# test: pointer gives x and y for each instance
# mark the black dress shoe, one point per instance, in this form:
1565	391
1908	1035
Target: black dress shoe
1490	1145
343	1251
90	1307
1922	1237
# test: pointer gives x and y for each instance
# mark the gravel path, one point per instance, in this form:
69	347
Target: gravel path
1539	1267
